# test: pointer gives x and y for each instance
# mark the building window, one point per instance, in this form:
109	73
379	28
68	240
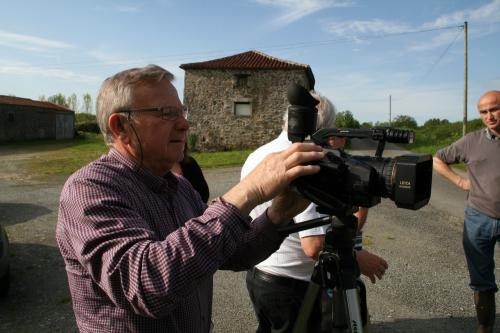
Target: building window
242	80
10	117
243	109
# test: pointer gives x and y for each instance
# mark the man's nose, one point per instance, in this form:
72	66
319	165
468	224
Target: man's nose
182	123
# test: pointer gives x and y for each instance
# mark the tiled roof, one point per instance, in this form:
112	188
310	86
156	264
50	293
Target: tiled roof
246	60
29	102
250	60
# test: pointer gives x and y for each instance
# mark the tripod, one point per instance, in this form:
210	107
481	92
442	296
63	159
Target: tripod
335	280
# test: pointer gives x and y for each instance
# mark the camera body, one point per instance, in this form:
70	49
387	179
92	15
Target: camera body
347	181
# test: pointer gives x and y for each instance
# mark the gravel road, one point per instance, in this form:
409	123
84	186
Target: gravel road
424	290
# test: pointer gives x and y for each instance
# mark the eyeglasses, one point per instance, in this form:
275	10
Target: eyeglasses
165	112
493	109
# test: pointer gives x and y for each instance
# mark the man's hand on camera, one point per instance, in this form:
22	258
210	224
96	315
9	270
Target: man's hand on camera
371	265
286	206
273	175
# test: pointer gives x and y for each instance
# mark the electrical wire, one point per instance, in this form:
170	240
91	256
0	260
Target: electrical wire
186	57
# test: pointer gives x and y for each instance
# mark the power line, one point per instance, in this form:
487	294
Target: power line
183	57
440	57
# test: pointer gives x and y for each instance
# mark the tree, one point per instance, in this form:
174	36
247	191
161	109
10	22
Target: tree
72	102
435	122
405	122
345	119
87	103
58	99
42	98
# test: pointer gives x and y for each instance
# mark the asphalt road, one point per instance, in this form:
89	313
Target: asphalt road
424	290
426	286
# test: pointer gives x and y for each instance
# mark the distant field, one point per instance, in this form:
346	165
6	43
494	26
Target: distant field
67	156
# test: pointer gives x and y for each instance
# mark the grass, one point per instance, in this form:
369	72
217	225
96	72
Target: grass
67	156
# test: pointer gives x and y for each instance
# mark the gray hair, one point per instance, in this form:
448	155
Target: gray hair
116	93
326	112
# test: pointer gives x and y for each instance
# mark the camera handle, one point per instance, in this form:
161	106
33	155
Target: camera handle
337	272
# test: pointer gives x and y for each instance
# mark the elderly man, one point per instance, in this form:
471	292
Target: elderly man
481	151
139	244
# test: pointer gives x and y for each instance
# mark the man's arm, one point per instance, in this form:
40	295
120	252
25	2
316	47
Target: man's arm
361	215
370	265
312	245
444	170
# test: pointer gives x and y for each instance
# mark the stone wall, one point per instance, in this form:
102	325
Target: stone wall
211	94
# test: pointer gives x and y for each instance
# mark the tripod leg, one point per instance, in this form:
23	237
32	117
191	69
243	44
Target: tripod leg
310	299
353	310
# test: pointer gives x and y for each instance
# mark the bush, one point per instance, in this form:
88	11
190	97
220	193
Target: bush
191	141
86	122
91	127
403	121
345	119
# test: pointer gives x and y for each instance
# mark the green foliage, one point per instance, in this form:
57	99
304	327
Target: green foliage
435	134
90	127
58	99
82	117
191	141
86	122
345	119
70	102
403	121
63	157
382	124
436	122
87	103
222	158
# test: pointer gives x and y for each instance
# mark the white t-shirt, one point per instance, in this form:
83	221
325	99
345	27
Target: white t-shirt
289	260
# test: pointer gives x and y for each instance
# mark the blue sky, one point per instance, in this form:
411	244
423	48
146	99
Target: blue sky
361	51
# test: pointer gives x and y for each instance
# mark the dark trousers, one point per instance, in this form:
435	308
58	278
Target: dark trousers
277	300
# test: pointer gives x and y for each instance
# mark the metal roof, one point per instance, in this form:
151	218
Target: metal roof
11	100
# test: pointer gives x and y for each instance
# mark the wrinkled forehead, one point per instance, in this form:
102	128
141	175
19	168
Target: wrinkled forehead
489	99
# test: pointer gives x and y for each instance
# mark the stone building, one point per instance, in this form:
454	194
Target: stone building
25	119
238	101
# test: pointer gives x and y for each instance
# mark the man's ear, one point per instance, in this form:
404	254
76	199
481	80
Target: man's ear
118	125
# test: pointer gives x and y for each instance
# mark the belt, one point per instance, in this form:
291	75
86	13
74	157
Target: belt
276	279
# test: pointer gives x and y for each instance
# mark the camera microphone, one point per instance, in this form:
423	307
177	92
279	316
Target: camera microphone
302	113
298	95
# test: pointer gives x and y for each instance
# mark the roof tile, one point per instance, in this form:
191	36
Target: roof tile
246	60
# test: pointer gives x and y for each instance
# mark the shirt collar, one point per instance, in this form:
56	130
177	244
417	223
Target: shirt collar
155	183
490	135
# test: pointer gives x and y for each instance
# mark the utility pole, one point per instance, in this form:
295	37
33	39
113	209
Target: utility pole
464	129
390	111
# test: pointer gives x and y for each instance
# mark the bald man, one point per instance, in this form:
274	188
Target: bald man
481	151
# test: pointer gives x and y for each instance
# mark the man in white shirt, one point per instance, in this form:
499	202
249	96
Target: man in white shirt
278	284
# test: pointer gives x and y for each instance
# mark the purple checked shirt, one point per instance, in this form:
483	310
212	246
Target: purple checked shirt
141	250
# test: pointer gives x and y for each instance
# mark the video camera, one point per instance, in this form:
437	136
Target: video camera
347	181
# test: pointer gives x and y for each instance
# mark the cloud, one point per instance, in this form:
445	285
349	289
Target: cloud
294	10
17	68
441	39
488	13
107	58
30	43
372	27
128	8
